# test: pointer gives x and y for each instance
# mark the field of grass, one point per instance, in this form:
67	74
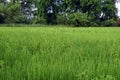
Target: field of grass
46	53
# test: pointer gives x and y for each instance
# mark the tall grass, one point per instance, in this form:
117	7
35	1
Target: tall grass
30	53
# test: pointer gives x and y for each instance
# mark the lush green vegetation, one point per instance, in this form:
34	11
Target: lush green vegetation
69	12
44	53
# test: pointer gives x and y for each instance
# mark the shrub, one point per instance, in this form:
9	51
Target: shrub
118	22
40	20
79	19
61	19
110	22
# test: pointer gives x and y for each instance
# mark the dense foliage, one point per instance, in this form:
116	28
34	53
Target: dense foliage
71	12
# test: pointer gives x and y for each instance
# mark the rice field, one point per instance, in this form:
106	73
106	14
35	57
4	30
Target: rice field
59	53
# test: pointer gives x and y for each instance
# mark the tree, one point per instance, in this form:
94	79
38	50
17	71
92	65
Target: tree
27	9
44	7
2	15
99	10
39	11
10	12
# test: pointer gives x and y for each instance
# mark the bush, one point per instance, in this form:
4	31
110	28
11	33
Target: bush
40	20
61	19
118	22
110	22
79	19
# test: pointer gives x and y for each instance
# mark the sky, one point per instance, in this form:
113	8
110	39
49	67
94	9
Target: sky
118	6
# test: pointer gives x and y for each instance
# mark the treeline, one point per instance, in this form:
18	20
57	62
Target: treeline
65	12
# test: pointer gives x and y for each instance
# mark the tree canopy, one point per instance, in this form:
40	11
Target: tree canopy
94	12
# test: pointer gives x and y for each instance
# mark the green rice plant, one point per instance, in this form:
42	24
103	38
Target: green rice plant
59	53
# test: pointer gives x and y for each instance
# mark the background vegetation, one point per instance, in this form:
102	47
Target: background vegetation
65	12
